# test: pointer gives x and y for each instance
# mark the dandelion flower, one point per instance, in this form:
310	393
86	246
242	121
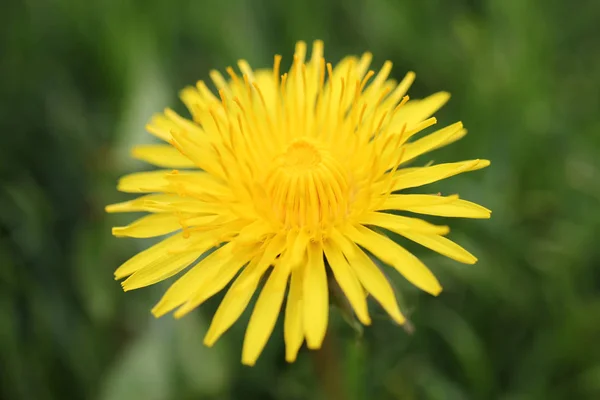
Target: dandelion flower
289	178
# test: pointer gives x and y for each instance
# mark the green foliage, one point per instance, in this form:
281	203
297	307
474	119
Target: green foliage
78	81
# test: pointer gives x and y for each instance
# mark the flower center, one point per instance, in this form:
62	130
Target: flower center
307	188
302	155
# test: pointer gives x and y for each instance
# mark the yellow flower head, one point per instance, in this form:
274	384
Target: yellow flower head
285	175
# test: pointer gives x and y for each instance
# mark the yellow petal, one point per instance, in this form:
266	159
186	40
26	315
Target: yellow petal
233	305
316	301
265	314
207	94
373	280
333	86
254	232
200	184
442	245
193	100
313	72
457	208
296	244
399	92
150	203
144	182
186	286
433	141
185	124
199	151
149	226
222	277
338	238
160	126
246	69
300	51
416	111
398	223
176	203
293	327
204	129
149	255
405	201
219	80
264	80
274	248
414	177
162	156
372	92
393	254
241	291
346	278
414	129
161	269
363	64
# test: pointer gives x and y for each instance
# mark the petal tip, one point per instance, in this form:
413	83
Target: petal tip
313	344
291	356
443	230
248	360
135	152
209	339
119	274
126	287
471	260
397	316
185	310
180	314
160	309
119	231
483	163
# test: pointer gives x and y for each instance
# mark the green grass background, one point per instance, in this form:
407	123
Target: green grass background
78	81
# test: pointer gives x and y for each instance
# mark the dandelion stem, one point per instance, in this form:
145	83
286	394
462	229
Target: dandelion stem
328	368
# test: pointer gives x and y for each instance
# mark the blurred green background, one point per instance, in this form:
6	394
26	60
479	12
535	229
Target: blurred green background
78	81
